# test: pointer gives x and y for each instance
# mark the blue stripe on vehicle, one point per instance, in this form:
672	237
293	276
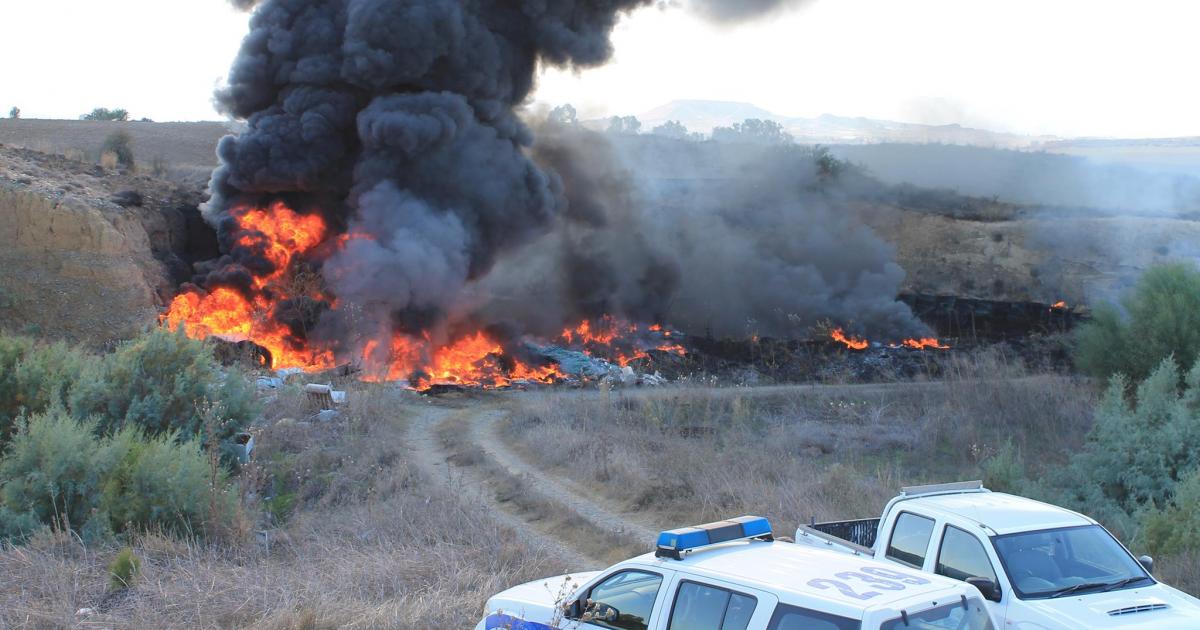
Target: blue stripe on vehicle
508	622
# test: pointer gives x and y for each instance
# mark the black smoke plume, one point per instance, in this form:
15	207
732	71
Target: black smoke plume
397	121
731	240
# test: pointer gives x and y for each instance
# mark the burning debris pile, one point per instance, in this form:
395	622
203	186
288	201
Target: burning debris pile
387	208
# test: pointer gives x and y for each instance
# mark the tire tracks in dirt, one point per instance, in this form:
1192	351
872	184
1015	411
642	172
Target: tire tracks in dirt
468	484
484	432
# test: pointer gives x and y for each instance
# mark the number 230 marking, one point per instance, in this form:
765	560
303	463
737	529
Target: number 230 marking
883	579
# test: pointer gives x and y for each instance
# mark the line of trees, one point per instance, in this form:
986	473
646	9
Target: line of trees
103	113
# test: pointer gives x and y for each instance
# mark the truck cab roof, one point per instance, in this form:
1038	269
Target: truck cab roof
788	571
1001	513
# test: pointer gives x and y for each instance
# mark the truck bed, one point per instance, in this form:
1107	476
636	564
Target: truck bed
857	536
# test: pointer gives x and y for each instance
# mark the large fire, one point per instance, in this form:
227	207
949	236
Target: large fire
278	237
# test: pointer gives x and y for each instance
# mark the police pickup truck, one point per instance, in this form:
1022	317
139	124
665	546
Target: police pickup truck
1037	565
732	575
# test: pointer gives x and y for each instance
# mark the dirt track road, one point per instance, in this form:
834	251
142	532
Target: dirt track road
484	432
429	457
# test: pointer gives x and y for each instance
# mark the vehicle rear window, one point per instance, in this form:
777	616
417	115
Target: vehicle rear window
796	618
910	539
962	556
704	607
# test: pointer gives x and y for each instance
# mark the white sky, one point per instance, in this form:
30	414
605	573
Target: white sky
1067	67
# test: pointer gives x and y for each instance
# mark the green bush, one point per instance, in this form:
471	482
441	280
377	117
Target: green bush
1137	454
33	377
58	473
164	382
52	470
120	144
123	570
104	113
1177	528
1005	471
160	483
17	526
1161	318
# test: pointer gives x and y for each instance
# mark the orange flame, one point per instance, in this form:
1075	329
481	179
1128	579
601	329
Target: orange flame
1059	305
850	342
281	236
925	343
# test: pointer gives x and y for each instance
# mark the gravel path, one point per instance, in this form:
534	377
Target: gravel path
588	504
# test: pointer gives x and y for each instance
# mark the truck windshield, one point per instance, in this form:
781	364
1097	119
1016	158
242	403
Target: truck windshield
970	615
1067	561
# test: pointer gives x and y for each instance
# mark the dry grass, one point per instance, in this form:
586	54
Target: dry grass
370	544
797	453
546	513
1182	571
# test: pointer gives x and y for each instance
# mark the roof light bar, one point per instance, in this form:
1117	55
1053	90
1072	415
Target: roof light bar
674	543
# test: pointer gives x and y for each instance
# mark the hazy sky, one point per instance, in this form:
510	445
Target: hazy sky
1068	67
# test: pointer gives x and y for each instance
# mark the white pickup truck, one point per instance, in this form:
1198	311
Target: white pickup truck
731	575
1038	565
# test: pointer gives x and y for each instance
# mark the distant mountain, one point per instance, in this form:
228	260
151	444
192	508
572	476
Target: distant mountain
702	116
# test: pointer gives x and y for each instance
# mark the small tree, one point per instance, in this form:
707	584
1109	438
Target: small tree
564	115
14	113
1158	319
103	113
672	129
120	144
626	125
755	131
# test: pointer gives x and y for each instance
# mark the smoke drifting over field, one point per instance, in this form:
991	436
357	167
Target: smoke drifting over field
440	214
741	10
732	240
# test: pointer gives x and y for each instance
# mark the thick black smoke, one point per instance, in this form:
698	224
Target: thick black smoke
396	119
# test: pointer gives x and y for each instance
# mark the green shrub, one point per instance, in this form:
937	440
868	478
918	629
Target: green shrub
1161	318
104	113
1005	471
17	526
164	382
58	473
34	377
160	483
123	570
1137	454
51	470
120	144
1177	528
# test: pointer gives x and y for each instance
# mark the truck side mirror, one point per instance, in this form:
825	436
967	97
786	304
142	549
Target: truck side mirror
572	610
1147	563
989	589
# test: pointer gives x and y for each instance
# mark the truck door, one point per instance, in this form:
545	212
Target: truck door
702	603
961	555
628	599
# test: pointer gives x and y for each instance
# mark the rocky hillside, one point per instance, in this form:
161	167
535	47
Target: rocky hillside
90	254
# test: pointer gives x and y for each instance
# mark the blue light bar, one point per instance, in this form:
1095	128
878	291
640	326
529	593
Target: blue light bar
674	543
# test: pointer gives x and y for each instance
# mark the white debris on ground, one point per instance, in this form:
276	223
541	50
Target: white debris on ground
584	367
